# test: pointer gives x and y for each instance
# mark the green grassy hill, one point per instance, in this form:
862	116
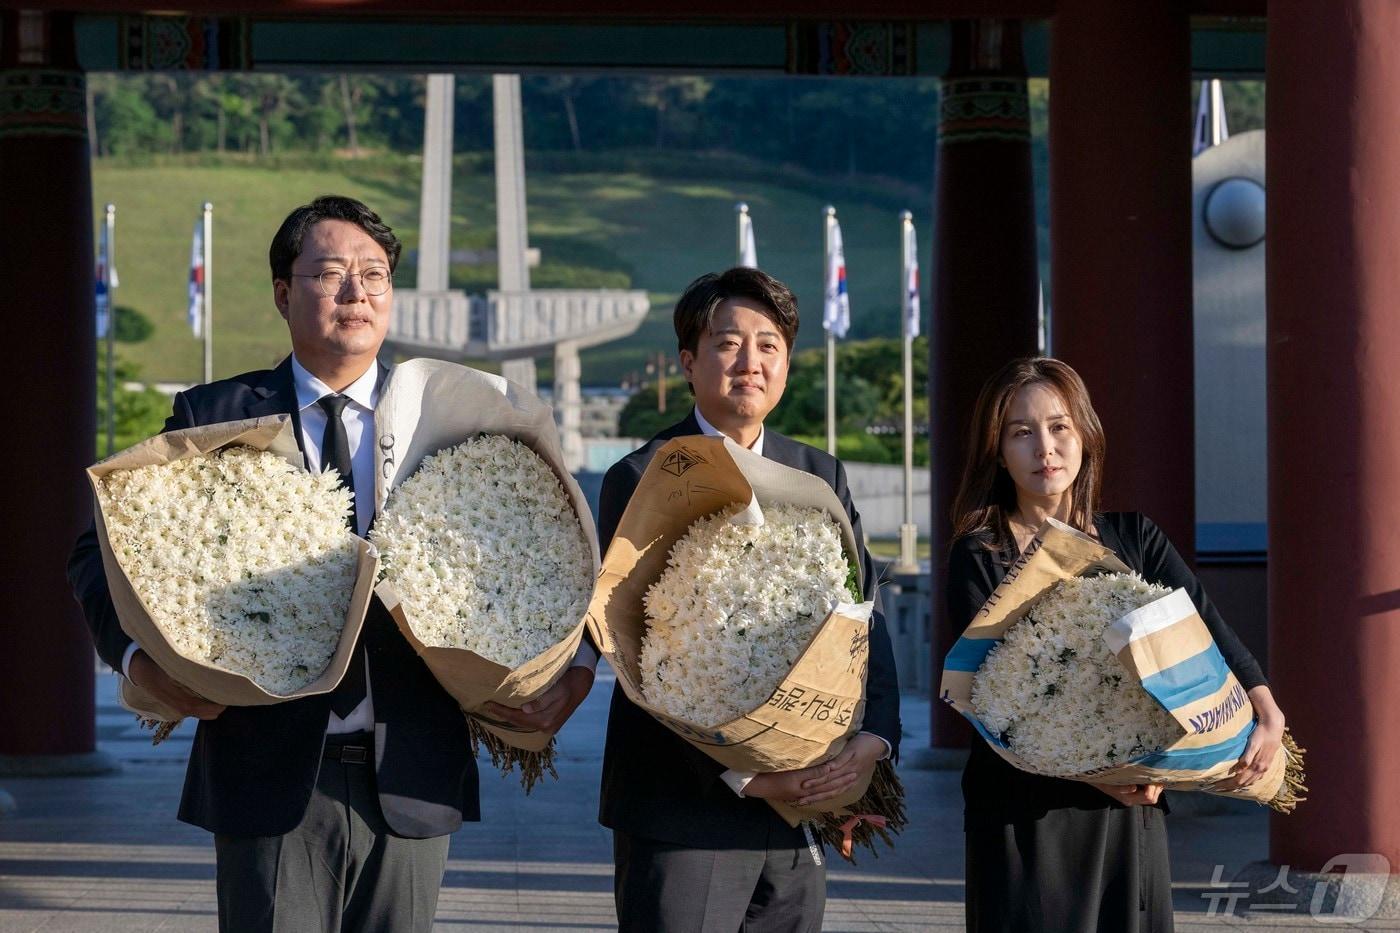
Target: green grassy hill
624	228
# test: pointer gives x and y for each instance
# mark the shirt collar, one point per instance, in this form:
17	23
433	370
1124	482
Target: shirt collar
711	431
364	391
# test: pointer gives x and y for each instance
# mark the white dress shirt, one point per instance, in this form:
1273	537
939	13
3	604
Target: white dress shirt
738	780
710	430
358	418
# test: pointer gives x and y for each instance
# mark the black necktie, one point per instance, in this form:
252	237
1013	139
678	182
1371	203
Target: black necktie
335	452
335	447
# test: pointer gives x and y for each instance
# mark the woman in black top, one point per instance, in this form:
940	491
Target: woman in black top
1045	854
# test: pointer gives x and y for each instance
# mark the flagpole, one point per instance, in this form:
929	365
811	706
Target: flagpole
111	221
740	211
909	530
208	297
830	345
1042	316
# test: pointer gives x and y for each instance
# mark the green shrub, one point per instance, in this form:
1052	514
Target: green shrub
132	325
639	417
140	413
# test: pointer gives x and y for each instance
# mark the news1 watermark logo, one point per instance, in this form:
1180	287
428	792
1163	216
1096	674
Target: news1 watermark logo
1349	889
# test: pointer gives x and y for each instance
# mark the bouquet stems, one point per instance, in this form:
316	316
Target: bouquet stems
533	765
878	813
1291	793
160	729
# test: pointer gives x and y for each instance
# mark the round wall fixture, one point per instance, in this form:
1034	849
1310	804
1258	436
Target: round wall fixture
1234	213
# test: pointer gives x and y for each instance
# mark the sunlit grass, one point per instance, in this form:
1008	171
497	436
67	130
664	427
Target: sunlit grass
616	229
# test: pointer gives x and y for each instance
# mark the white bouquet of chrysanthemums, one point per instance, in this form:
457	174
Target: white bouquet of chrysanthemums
729	606
486	552
488	546
734	608
244	560
1077	668
230	564
1057	693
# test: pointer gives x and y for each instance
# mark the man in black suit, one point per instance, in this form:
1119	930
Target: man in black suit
331	812
696	848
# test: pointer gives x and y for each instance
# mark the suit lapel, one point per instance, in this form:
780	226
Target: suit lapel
780	449
277	395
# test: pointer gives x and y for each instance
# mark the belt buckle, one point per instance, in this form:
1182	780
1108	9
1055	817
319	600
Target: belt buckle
354	754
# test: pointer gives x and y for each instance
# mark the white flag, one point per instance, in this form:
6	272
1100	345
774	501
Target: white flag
105	279
195	312
748	252
112	280
911	283
836	311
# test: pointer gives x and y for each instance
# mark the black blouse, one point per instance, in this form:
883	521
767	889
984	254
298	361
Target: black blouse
995	791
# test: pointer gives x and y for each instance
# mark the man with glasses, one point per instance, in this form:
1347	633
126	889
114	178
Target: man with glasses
330	812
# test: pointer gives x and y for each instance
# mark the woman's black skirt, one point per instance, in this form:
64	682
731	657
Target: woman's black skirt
1104	870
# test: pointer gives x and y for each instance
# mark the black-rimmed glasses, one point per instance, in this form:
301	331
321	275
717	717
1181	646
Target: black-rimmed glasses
375	281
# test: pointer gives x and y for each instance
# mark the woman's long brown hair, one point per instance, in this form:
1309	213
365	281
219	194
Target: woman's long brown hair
986	496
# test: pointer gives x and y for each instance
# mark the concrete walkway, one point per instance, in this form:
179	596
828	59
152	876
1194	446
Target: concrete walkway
107	854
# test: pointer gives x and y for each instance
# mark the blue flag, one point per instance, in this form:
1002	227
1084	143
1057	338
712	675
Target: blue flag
104	283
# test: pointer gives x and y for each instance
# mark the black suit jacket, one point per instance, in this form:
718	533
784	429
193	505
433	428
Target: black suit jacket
252	769
657	785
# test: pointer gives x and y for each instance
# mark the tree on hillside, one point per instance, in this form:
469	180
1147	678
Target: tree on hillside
349	100
869	395
127	122
639	417
169	101
566	88
868	126
275	95
1244	105
803	408
473	119
672	99
236	111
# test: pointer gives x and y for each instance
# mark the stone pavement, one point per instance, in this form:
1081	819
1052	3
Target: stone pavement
107	854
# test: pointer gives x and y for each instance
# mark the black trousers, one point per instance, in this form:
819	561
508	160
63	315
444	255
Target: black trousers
339	870
661	887
1104	870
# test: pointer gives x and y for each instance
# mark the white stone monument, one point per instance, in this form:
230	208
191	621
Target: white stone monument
514	323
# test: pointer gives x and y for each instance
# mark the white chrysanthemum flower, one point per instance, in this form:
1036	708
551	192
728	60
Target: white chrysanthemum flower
735	607
243	560
484	548
1055	692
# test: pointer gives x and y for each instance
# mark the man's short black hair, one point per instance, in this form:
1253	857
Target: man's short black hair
286	245
696	308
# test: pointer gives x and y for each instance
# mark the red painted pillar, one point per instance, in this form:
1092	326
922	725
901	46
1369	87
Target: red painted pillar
46	665
1120	235
1334	418
985	274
